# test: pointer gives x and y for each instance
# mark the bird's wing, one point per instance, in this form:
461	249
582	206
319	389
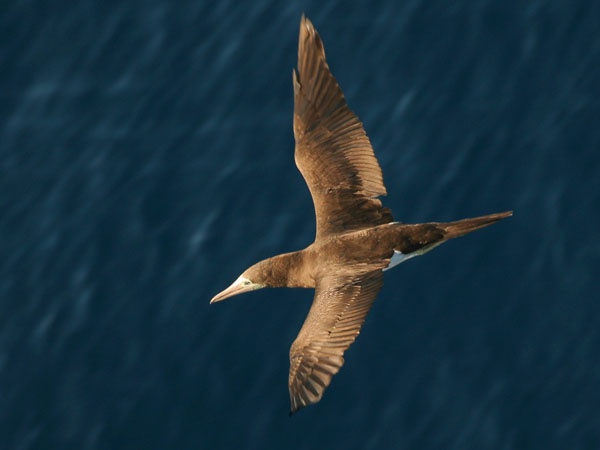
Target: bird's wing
333	152
339	308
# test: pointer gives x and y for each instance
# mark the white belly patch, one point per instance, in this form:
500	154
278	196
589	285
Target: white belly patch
399	257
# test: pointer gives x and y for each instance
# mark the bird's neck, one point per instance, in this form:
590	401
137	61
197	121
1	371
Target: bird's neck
289	270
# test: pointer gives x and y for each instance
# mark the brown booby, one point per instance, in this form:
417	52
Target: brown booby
357	238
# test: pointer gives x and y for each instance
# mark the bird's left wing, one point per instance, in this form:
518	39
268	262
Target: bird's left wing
339	308
333	152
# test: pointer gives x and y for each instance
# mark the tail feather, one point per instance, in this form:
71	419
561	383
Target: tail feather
464	226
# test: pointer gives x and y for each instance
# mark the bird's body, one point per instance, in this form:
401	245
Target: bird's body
357	238
380	245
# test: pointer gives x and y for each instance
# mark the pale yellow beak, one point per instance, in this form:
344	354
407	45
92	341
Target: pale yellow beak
239	286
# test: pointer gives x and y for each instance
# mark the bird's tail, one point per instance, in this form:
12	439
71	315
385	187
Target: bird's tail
464	226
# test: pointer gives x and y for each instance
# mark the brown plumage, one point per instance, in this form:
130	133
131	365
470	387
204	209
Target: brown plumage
356	237
333	152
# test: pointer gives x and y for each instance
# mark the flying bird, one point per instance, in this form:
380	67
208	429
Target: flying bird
356	239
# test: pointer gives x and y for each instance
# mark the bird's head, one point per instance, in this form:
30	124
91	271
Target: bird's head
252	279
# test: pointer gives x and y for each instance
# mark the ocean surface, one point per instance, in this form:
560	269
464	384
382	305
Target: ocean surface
146	159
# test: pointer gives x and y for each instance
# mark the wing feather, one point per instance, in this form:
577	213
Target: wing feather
338	311
333	152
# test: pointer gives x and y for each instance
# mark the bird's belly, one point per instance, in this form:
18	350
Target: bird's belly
399	257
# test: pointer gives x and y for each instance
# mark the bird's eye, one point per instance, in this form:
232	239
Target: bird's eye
247	283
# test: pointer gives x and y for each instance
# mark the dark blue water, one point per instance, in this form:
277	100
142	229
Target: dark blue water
146	158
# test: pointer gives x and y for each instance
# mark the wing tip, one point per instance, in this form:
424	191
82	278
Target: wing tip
295	405
308	33
306	24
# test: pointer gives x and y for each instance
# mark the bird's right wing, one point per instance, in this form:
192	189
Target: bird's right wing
333	152
339	308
